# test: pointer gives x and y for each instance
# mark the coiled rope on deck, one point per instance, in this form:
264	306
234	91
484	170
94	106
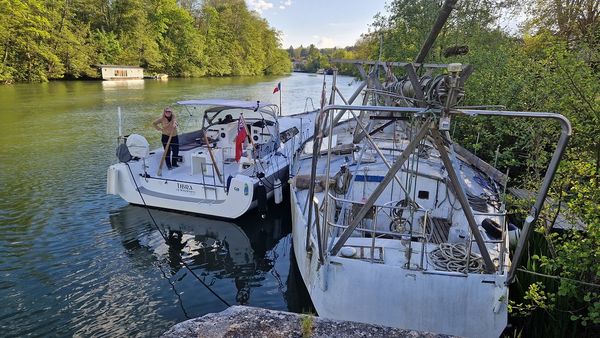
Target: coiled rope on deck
453	257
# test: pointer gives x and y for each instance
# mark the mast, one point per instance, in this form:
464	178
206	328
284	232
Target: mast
443	15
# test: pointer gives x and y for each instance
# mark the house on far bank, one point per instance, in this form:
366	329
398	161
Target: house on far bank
299	65
116	72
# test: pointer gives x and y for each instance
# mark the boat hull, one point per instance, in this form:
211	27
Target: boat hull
210	200
358	290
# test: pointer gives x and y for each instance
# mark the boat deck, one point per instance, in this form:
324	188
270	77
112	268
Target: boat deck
389	246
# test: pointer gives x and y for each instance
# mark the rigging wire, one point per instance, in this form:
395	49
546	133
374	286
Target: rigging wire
558	277
165	239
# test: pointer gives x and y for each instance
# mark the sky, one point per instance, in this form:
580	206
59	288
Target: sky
324	23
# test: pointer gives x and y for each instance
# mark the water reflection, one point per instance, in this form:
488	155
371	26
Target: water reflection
120	84
240	261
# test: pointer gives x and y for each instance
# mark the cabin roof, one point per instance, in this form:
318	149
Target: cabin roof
226	103
118	66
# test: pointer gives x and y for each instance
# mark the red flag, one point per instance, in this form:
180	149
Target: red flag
240	138
278	88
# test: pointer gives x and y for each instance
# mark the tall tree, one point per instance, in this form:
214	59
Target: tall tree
576	21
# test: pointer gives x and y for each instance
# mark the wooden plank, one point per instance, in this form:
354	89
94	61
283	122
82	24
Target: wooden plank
481	164
440	228
564	221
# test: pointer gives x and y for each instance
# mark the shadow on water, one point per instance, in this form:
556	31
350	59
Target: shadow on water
248	261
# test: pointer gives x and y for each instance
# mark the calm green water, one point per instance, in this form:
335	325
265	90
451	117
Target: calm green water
75	261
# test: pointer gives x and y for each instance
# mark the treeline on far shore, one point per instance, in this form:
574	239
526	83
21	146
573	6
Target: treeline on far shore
54	39
310	59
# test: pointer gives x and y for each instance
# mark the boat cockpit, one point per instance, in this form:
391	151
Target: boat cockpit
211	129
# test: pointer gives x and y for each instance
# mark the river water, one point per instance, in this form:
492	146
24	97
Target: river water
75	261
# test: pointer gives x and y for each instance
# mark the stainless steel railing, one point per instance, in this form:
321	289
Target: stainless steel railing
326	228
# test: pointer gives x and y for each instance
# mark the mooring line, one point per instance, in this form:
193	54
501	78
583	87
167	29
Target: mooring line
166	240
558	277
175	290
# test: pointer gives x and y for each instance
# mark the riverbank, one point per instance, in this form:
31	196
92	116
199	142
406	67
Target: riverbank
244	321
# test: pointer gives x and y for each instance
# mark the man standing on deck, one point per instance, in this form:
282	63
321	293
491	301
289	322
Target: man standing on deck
167	124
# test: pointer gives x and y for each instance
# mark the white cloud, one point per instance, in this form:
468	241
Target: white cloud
285	4
324	42
259	5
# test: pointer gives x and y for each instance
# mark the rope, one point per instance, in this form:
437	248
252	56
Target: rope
453	257
559	278
175	290
165	239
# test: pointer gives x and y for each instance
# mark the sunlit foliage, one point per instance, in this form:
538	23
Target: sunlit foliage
52	39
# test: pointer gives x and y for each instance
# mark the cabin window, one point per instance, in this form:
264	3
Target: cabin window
120	72
423	194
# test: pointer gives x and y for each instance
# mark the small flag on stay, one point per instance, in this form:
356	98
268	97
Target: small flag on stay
278	88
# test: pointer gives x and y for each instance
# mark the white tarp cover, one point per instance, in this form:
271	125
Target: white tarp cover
138	146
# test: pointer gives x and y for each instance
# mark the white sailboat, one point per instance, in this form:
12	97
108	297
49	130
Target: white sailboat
399	229
395	224
209	180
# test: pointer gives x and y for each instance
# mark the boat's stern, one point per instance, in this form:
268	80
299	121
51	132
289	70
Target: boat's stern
113	175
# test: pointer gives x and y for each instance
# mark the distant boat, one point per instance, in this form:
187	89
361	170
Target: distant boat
158	77
117	72
320	71
209	180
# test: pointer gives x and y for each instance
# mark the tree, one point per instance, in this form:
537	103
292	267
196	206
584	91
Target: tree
27	48
48	39
576	21
313	59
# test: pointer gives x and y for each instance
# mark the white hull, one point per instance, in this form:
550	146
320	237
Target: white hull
195	197
474	305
